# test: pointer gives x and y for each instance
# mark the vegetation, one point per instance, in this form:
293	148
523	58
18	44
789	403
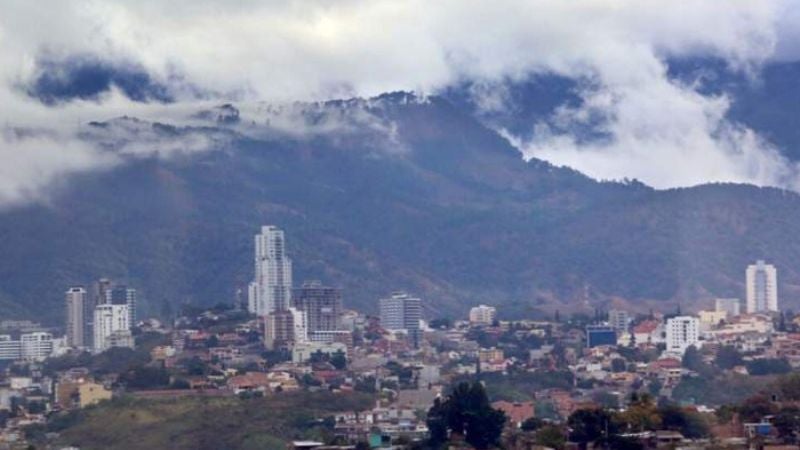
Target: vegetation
465	412
205	423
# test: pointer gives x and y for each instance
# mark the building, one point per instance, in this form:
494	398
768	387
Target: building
711	319
402	312
10	349
762	287
730	306
76	299
123	295
92	393
34	346
284	328
619	320
482	315
109	319
302	352
682	332
321	304
597	335
270	289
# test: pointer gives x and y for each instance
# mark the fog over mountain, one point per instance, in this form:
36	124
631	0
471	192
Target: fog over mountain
464	150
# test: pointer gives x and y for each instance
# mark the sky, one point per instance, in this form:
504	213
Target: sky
64	63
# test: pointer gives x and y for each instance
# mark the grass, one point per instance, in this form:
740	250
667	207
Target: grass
208	423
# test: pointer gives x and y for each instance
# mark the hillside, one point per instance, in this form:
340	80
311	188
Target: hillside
204	423
402	193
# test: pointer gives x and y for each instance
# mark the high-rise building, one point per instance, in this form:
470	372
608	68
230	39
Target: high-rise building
402	312
762	287
619	320
730	306
110	326
124	295
321	304
76	299
482	315
682	332
284	328
271	287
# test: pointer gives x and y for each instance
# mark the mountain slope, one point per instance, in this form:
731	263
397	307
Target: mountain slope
404	193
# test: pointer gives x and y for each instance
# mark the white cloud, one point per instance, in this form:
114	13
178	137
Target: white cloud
660	132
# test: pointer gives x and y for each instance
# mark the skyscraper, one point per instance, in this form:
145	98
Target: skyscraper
321	304
401	312
270	290
110	326
123	295
762	287
76	299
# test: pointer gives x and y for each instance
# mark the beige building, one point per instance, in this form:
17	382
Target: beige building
92	393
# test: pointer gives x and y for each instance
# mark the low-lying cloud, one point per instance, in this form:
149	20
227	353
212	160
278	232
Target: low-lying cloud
63	64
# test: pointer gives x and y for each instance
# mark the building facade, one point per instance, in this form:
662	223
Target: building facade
482	315
285	328
762	287
732	307
402	312
321	304
619	320
76	299
110	325
682	332
271	287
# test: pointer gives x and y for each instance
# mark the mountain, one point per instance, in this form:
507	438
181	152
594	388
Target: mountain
395	192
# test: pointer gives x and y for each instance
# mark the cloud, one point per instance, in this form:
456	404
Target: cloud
88	77
99	60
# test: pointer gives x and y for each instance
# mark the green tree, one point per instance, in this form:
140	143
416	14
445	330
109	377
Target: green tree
727	357
467	411
338	360
589	425
550	436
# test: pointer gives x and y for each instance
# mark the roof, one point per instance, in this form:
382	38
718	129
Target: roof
517	412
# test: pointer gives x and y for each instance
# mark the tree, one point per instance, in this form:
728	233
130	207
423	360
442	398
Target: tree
441	323
550	436
466	411
589	425
532	424
338	360
692	359
787	422
768	366
641	414
728	357
618	365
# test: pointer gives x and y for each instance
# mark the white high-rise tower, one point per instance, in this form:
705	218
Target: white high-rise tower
271	288
762	287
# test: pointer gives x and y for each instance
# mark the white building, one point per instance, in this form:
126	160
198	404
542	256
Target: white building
732	307
402	312
36	346
110	326
76	299
482	315
619	320
682	332
270	290
762	287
